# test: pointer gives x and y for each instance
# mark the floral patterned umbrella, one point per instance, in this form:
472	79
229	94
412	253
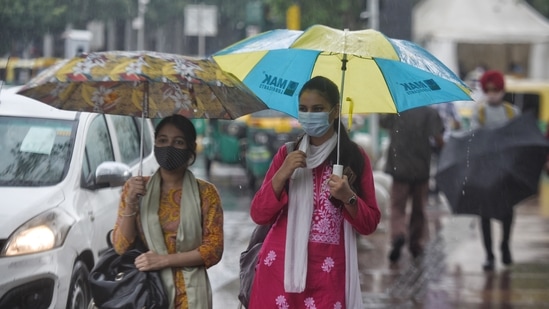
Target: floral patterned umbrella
143	83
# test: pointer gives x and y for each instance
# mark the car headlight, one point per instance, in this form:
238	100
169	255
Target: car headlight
261	138
44	232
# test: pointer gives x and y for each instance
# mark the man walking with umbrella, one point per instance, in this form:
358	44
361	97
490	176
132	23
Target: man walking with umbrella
408	162
492	111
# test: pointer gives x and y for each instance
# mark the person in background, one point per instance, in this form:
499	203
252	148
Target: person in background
452	123
412	133
309	256
492	111
177	216
450	118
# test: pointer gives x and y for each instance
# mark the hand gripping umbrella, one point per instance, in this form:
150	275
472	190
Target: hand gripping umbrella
143	83
375	74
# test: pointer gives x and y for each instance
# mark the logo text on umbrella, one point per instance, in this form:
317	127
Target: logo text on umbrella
279	85
420	86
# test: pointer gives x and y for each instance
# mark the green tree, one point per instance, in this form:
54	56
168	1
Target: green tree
26	20
334	13
164	12
541	5
343	13
81	12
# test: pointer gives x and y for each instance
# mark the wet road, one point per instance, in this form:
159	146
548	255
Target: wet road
449	275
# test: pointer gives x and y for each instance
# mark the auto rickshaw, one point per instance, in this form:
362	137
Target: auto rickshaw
224	141
268	130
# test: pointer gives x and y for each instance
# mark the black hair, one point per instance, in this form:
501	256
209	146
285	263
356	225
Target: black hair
353	157
184	125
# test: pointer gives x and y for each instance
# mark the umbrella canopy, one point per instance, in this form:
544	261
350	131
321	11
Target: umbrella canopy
487	171
376	74
143	83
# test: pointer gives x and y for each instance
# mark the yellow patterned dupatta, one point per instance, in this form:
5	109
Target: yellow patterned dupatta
189	237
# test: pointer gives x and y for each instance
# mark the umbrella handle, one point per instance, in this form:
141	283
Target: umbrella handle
338	170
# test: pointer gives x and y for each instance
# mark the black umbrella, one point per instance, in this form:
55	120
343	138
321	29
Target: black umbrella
487	171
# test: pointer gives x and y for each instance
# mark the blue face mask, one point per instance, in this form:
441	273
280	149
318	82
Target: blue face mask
314	124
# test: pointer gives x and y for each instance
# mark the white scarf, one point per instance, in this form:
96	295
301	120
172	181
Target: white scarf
300	212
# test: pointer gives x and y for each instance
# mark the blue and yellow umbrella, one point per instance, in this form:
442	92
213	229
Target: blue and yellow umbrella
376	74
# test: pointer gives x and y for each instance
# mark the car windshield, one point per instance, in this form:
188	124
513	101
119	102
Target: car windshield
34	151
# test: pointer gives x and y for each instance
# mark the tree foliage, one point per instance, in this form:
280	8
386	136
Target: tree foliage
334	13
103	10
344	13
24	21
541	5
162	12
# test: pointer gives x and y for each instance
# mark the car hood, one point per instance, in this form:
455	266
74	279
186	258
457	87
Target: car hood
21	204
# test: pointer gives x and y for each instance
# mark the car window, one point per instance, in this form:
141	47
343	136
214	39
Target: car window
34	151
128	138
98	147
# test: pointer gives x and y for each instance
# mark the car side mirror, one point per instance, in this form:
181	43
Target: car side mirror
112	174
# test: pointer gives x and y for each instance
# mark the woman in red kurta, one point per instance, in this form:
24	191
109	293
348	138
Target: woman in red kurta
315	266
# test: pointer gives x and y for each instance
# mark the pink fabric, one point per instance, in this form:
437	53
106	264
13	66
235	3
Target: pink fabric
325	287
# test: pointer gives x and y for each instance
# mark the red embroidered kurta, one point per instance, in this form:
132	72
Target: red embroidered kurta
325	285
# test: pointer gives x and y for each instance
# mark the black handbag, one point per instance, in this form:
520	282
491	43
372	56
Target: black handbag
115	282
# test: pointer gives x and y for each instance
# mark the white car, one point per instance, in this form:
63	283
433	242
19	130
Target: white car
61	174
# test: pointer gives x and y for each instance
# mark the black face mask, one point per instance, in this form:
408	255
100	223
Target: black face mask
171	158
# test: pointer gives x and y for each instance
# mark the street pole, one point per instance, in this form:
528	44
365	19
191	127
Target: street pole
373	9
142	8
201	36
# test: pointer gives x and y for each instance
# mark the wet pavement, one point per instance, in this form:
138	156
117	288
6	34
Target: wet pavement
449	275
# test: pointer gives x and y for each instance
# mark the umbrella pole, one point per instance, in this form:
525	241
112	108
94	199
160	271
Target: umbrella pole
144	114
343	70
338	168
